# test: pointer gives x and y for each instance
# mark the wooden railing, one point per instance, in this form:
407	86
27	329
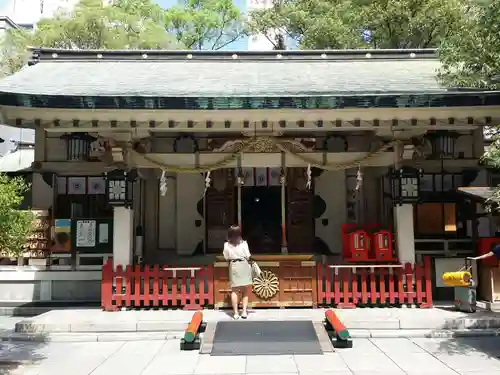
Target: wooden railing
349	286
341	286
168	287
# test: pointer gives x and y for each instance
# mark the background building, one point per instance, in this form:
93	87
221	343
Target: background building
12	136
27	13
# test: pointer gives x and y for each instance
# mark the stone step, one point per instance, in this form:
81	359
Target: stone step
34	326
372	319
91	336
423	333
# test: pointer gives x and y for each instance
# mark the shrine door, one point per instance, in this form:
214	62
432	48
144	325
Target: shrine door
220	212
300	223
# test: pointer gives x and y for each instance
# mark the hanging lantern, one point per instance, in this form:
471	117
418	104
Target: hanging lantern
119	186
443	144
78	145
406	185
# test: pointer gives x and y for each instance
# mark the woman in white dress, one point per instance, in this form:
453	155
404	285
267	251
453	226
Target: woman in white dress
236	252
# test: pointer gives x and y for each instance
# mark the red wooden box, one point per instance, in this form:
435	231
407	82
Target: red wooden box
357	244
346	228
382	245
485	245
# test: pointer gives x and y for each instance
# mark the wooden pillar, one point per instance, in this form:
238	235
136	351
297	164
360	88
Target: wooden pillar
284	244
403	222
239	202
204	210
239	184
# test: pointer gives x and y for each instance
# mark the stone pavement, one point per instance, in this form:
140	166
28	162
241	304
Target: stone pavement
367	357
8	322
95	320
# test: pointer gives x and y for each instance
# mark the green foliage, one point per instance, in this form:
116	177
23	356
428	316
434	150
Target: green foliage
410	23
471	56
471	59
15	225
327	24
128	24
205	24
13	52
124	24
314	24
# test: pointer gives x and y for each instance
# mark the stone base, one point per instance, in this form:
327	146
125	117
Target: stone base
369	319
490	306
21	285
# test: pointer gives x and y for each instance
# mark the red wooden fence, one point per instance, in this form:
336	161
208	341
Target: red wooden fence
186	287
348	287
338	286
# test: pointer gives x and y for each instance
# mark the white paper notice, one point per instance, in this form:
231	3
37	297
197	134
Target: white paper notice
85	233
103	233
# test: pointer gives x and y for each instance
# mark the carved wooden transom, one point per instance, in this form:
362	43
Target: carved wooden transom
263	145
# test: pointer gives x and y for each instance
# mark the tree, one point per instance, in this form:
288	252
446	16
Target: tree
410	23
15	225
314	24
124	24
337	24
280	42
205	24
471	57
13	51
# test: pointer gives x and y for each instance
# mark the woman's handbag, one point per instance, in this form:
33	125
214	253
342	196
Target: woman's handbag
255	270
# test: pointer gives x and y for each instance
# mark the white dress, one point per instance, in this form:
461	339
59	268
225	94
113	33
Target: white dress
240	271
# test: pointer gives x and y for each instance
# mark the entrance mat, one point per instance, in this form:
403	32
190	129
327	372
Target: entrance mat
269	338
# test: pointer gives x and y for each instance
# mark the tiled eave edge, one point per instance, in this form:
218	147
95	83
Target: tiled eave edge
430	100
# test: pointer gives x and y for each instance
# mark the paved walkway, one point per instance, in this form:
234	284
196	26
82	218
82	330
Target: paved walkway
367	357
8	322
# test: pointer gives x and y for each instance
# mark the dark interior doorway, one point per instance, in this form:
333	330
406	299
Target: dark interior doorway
261	218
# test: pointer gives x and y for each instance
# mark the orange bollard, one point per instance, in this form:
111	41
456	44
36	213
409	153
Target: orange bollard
193	327
341	333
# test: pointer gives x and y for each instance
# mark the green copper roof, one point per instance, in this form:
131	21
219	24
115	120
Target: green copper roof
218	80
226	74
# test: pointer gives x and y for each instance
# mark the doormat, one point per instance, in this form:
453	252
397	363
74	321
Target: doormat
266	338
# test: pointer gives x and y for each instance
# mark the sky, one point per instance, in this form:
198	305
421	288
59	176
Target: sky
242	4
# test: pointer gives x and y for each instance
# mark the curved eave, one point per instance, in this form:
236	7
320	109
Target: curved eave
334	101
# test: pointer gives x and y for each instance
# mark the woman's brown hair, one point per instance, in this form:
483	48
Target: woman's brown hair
233	234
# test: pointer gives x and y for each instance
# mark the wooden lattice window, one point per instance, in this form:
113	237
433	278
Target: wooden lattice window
81	197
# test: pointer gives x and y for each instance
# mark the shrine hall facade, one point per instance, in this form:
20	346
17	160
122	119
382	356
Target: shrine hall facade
149	156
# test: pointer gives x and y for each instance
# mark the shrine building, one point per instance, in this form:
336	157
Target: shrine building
347	160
